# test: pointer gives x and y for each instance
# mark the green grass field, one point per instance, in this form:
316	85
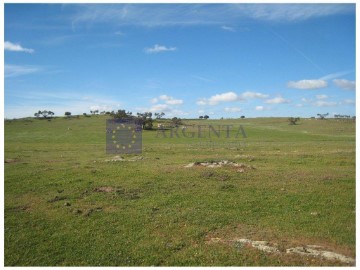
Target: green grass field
156	212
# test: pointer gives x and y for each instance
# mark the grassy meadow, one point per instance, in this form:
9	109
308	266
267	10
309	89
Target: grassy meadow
66	206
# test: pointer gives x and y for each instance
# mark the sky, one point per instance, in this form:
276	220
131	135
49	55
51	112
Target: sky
186	60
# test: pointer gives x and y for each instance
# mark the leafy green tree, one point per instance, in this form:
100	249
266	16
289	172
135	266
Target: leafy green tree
159	115
176	121
45	114
68	114
145	120
121	114
322	116
293	120
206	117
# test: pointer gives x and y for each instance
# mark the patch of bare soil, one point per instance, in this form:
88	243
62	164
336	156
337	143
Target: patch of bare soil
57	198
321	253
130	194
105	189
119	158
9	160
240	167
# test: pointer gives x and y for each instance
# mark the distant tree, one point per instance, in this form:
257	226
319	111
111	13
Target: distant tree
121	114
108	113
94	112
68	114
293	120
322	116
201	117
176	121
206	117
242	117
145	120
159	115
45	114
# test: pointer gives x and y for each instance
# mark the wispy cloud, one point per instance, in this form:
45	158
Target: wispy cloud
202	79
307	84
321	96
348	102
345	84
155	15
322	103
170	100
16	47
228	28
160	48
277	100
17	70
249	94
232	109
335	75
259	108
292	12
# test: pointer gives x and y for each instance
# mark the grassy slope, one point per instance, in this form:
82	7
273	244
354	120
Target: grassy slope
163	212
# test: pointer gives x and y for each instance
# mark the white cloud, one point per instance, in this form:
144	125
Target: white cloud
348	101
160	108
201	111
153	100
259	108
101	108
228	28
232	109
15	47
174	101
250	94
345	84
164	97
321	103
306	100
307	84
201	101
321	96
224	97
170	100
277	100
15	70
160	48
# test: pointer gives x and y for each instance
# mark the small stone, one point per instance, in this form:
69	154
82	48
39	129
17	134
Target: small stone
67	204
190	165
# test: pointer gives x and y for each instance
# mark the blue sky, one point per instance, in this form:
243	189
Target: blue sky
186	60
